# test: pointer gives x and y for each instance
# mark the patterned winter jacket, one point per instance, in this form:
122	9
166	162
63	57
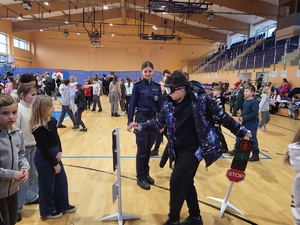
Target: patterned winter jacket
205	112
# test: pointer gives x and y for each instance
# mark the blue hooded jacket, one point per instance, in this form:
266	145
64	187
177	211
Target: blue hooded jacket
206	113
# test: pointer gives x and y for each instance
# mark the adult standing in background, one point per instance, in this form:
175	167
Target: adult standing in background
122	97
147	101
72	94
129	87
114	96
48	83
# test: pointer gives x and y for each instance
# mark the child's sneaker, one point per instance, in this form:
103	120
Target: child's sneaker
192	221
71	209
54	215
83	129
232	152
169	222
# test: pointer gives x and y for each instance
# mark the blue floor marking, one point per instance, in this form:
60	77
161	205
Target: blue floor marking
56	115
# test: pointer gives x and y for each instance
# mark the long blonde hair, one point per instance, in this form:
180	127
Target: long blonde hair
296	139
40	106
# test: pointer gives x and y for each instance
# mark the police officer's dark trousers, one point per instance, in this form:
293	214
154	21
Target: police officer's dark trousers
182	186
144	141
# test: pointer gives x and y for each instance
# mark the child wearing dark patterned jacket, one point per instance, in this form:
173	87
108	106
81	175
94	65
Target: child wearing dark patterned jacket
188	105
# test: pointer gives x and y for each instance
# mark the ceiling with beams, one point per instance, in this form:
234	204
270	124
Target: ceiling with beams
133	17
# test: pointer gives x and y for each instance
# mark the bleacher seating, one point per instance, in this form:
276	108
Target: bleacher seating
263	55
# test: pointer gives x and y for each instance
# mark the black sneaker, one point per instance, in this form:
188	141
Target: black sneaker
154	153
100	110
232	152
54	215
192	221
70	210
150	180
143	184
169	222
61	126
83	129
75	127
224	150
253	158
93	110
19	217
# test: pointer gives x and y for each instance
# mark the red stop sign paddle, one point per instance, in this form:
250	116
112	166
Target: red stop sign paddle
235	175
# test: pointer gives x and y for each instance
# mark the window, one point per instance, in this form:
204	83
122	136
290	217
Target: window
18	43
3	44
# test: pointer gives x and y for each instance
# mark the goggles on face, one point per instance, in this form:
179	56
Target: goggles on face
172	89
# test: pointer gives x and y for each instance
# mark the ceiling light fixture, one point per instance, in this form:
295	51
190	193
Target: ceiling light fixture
66	33
66	21
26	4
105	6
210	16
46	3
169	6
41	30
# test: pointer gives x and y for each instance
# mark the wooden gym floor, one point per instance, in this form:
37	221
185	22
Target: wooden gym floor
264	196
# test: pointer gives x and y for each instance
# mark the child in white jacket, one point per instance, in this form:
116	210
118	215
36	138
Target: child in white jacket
292	157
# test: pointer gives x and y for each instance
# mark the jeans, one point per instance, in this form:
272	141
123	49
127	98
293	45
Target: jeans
96	101
238	105
65	109
78	115
182	186
114	105
28	191
53	188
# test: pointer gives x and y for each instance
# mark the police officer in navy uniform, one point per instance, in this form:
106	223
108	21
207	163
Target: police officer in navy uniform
146	101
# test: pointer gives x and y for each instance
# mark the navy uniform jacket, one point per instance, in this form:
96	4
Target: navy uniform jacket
146	97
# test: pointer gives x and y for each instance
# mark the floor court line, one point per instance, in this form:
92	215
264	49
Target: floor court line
166	189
